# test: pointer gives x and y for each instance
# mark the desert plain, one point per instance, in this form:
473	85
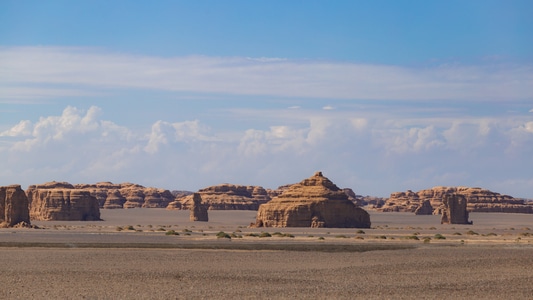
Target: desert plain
160	254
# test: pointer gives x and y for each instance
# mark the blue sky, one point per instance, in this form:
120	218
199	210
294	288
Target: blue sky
382	96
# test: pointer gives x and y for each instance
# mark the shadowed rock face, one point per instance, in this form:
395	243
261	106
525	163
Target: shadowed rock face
478	200
424	209
454	211
62	204
198	211
314	202
14	207
226	197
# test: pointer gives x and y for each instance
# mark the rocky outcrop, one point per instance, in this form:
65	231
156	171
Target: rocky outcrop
198	211
62	204
127	195
478	200
14	207
314	202
226	197
425	208
454	210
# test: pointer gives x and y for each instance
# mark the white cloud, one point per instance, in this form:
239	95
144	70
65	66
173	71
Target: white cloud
36	72
381	152
328	107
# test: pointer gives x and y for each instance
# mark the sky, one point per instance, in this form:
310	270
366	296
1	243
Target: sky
381	96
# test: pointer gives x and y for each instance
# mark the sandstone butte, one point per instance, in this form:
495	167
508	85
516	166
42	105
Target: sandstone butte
225	197
14	211
60	201
198	210
314	202
478	200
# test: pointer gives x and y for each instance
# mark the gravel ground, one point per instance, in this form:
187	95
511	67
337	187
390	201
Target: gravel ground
491	259
429	272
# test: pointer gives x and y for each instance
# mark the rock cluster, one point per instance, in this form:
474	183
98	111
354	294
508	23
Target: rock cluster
14	207
454	211
198	211
127	195
226	197
478	200
314	202
62	202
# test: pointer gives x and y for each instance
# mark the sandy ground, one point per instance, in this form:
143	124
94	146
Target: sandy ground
129	256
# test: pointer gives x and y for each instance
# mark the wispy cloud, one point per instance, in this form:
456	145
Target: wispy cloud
40	72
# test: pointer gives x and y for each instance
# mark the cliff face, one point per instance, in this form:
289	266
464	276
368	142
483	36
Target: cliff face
62	203
478	200
314	202
14	207
127	195
226	197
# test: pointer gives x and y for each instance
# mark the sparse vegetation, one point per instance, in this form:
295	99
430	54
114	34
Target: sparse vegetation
222	234
471	232
360	231
439	236
265	234
341	236
171	232
413	237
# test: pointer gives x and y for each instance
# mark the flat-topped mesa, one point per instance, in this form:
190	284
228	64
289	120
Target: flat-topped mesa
225	197
14	207
478	200
62	204
314	202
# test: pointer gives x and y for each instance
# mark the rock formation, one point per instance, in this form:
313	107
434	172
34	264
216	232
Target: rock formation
314	202
454	211
127	195
425	208
478	200
14	207
226	197
62	202
198	211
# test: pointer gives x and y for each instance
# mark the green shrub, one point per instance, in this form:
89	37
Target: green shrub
252	234
439	236
426	240
321	238
171	232
457	233
413	237
117	229
360	231
471	232
265	234
129	227
222	234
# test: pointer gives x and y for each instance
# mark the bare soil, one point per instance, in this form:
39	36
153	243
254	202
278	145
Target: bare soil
130	256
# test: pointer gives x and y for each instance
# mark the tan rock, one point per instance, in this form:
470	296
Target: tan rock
314	202
198	211
114	199
226	197
62	204
478	200
157	198
14	207
454	211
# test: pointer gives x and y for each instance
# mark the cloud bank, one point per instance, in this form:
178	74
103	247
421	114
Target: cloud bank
375	155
